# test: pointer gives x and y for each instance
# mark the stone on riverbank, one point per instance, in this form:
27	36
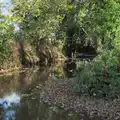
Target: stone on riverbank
60	93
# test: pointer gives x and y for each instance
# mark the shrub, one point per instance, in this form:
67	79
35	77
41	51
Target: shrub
6	39
98	78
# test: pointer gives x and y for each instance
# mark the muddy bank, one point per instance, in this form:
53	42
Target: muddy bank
60	93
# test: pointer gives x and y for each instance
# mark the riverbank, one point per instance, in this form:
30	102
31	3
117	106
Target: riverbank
7	71
60	93
46	54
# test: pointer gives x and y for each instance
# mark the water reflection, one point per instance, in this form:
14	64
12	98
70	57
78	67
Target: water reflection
12	87
33	109
8	106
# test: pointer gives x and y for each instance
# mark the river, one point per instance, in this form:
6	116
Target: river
13	87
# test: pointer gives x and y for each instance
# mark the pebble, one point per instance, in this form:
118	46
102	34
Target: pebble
60	93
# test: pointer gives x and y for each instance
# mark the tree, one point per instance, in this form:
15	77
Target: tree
6	37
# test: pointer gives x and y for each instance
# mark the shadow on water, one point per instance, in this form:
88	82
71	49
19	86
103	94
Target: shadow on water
14	107
33	109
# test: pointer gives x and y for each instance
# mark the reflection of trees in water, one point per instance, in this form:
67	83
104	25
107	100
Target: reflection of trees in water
18	82
8	84
8	106
24	81
31	78
62	70
33	109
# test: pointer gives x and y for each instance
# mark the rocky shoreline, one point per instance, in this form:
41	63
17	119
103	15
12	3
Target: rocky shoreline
60	93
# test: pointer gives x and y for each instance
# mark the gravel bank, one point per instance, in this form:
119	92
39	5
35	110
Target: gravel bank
60	93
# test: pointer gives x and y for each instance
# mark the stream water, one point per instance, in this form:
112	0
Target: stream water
13	87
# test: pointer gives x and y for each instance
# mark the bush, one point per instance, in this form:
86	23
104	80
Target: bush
6	39
98	78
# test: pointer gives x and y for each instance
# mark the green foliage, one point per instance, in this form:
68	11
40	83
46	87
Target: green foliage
99	78
80	22
40	18
53	18
102	22
97	22
6	37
